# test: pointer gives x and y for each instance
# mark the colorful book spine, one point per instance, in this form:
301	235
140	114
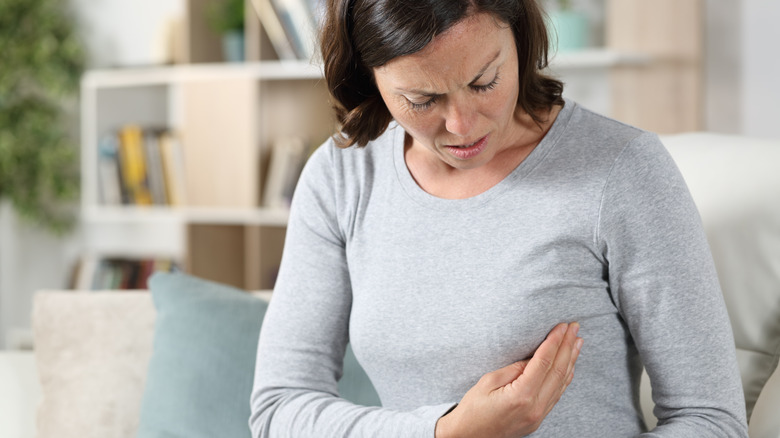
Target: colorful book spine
133	164
141	167
119	273
173	169
155	175
111	190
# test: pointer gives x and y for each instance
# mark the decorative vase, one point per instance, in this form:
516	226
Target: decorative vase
568	30
233	46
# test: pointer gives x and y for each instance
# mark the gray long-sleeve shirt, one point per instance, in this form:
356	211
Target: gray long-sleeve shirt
595	226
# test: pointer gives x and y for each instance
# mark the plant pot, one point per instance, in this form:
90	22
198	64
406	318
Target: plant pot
568	30
233	46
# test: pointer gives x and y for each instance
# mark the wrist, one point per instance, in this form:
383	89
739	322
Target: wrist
444	425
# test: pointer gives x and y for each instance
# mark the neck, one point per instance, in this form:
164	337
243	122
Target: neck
444	181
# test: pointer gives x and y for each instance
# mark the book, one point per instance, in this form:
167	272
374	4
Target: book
288	156
119	273
172	157
274	29
86	271
133	165
298	21
155	175
141	166
110	189
318	10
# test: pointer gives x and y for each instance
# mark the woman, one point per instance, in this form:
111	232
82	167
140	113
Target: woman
480	220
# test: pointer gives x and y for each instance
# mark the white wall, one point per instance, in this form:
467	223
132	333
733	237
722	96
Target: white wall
126	33
742	67
760	68
30	260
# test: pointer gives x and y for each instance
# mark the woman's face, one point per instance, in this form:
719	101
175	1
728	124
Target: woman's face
457	97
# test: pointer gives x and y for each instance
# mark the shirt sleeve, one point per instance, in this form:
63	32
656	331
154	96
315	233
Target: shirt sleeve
305	331
663	281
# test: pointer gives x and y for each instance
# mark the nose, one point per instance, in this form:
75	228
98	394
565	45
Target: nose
460	117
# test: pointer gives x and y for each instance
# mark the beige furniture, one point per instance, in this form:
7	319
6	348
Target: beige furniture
92	349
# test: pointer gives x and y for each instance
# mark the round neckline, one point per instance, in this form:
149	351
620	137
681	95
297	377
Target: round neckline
414	191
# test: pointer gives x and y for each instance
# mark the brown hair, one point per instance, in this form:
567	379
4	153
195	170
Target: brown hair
359	35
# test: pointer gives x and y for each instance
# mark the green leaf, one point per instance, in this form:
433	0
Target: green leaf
42	62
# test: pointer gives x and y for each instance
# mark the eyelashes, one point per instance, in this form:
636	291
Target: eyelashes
477	88
425	105
486	87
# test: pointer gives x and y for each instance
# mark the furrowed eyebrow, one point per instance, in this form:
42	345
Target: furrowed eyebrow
484	68
473	81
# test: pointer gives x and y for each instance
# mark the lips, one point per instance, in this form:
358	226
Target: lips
466	151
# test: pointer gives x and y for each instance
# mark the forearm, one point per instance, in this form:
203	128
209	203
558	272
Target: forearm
298	413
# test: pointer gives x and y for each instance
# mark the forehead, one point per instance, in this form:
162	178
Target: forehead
464	48
474	28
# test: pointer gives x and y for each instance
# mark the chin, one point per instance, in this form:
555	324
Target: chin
470	164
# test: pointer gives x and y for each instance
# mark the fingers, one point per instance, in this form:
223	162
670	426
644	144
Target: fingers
561	372
514	400
503	376
549	370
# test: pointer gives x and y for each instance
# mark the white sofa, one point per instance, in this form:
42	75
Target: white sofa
86	376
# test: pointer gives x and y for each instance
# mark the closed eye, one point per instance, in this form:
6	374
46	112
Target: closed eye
424	105
486	87
433	98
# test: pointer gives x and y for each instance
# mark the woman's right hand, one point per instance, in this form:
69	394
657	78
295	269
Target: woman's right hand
513	401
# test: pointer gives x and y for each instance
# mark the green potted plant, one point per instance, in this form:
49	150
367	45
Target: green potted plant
568	27
42	62
226	18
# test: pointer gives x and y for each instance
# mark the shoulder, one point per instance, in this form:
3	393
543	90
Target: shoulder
625	161
347	174
336	181
607	135
591	145
347	161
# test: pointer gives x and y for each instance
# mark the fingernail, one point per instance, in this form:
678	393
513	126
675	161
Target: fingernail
563	328
576	327
578	344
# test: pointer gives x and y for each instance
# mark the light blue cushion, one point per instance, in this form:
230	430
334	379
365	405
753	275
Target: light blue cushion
202	368
355	385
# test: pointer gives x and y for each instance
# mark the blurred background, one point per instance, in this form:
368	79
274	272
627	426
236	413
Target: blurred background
168	134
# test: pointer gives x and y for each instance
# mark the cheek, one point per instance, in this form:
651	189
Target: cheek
502	106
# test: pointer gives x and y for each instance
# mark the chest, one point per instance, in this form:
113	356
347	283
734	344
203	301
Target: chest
478	288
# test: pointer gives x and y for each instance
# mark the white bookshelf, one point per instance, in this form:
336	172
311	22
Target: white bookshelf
154	97
186	215
227	115
259	70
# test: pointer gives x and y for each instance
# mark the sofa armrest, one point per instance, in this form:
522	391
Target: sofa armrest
20	393
765	423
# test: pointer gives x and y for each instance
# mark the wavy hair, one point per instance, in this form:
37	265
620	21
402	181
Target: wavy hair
360	35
